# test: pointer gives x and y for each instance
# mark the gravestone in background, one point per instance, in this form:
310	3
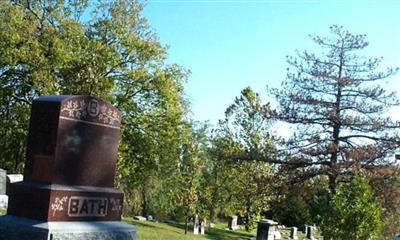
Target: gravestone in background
202	224
232	222
310	233
293	233
267	230
13	178
70	167
196	225
3	181
3	196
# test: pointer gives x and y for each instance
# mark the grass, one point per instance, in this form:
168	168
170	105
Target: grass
176	231
169	231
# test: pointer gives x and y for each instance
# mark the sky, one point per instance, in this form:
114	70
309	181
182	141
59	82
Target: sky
229	45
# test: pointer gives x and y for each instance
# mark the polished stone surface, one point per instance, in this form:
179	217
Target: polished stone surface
65	203
73	140
16	228
70	162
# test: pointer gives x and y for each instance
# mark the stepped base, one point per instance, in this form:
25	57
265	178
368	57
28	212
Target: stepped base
17	228
52	202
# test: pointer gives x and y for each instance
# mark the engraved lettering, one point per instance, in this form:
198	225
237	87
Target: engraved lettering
87	207
73	206
84	208
92	204
102	207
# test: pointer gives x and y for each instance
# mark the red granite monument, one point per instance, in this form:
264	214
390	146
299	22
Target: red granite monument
70	162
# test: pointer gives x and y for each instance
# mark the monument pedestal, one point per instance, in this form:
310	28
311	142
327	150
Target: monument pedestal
52	202
18	228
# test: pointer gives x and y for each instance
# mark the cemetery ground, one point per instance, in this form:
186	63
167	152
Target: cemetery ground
167	231
175	231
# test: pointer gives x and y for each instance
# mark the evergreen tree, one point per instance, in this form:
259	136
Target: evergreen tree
335	100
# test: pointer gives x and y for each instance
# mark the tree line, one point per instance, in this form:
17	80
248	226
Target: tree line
338	164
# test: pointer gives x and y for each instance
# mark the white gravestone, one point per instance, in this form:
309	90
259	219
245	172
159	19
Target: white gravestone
3	184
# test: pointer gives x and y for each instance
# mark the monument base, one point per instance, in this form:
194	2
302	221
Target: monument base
54	202
18	228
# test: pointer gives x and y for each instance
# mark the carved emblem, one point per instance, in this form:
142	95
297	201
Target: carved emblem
93	109
58	204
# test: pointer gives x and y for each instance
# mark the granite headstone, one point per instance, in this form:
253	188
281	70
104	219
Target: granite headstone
70	162
70	165
267	230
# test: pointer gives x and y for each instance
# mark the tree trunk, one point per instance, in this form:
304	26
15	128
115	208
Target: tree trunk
212	214
213	204
336	129
332	183
144	200
186	223
247	215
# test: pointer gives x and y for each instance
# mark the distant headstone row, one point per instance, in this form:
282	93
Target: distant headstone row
267	230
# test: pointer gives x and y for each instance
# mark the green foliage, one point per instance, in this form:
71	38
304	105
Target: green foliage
250	193
189	172
216	179
385	182
354	212
295	204
233	178
290	207
167	165
49	48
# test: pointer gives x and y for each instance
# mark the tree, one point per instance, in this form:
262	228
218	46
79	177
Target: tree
354	213
45	50
217	176
100	48
335	101
299	203
186	181
385	183
245	130
290	205
251	191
